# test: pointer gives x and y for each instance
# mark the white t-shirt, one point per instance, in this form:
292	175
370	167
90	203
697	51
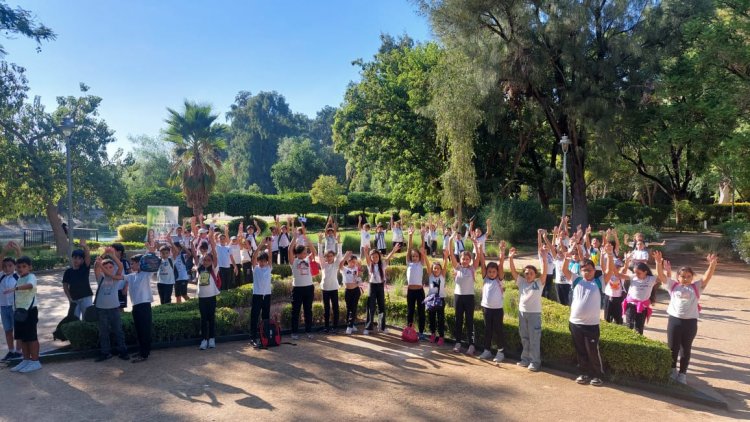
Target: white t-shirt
492	293
182	273
640	255
586	303
262	280
245	255
614	288
274	243
375	277
398	235
529	295
380	240
330	245
301	275
446	241
436	284
414	273
683	303
166	271
550	264
7	281
329	277
222	256
139	287
641	289
364	238
284	240
482	240
206	284
351	275
464	279
237	253
559	276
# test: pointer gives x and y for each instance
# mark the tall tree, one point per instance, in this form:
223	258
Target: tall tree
21	22
258	124
298	166
198	143
150	166
579	62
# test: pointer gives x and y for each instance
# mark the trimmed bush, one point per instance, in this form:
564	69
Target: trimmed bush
133	232
516	220
597	214
315	222
628	212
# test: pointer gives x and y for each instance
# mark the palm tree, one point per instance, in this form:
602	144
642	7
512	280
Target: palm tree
198	142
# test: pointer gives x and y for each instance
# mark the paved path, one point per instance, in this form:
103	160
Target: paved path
380	377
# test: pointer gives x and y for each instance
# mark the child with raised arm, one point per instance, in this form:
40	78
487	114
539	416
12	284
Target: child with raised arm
463	297
349	268
285	239
139	288
436	287
376	266
330	261
637	304
303	290
493	290
398	232
415	265
25	331
110	279
683	310
209	284
261	305
364	236
530	288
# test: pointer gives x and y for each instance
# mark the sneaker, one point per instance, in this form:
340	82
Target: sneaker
457	348
349	330
523	363
440	341
582	379
309	336
384	330
204	344
432	338
33	365
295	337
17	355
470	350
422	337
533	367
7	357
673	375
596	382
212	343
499	357
354	329
20	366
139	359
103	357
124	356
682	378
485	355
366	332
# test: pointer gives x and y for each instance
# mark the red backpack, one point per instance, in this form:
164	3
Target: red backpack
314	267
409	335
270	333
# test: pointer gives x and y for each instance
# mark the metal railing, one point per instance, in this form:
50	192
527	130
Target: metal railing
33	237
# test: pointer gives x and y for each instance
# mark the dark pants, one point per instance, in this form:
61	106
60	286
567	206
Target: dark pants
415	302
586	342
331	300
613	309
351	297
493	327
427	248
275	257
110	323
261	307
227	278
302	297
563	293
547	291
142	322
438	313
165	292
207	307
377	297
284	255
247	273
680	335
464	305
634	319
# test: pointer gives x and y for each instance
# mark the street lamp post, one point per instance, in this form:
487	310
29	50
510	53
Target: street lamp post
564	144
67	126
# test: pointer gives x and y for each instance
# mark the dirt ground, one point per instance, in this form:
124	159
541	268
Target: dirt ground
380	377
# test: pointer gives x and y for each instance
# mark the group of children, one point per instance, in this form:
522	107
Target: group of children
588	273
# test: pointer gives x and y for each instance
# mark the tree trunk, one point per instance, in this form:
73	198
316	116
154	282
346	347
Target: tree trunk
725	192
61	240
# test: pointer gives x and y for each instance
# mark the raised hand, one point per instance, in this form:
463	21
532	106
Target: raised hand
667	267
512	253
588	229
82	242
658	256
712	258
502	245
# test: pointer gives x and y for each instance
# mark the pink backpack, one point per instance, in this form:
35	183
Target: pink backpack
695	289
409	335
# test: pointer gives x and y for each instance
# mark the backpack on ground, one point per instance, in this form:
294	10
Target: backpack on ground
409	334
150	263
270	333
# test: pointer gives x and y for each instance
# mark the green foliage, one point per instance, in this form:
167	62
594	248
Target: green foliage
297	165
248	221
327	191
597	213
688	214
649	232
628	212
722	212
517	220
22	22
150	165
139	198
133	232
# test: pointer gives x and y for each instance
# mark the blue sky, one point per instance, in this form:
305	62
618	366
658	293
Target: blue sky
143	56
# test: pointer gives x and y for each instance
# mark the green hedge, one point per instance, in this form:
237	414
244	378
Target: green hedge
515	220
93	244
133	232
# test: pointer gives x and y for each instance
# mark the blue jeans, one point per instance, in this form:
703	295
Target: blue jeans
6	312
110	323
81	305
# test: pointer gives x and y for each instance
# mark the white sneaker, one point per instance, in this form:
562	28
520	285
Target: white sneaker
682	378
348	330
20	366
33	365
309	336
366	332
212	343
673	375
295	337
470	350
354	329
485	355
384	330
533	368
499	357
457	348
204	344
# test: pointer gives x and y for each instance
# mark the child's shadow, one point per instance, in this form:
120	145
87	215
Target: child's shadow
194	394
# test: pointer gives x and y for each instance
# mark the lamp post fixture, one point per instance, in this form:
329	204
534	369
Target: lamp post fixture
67	126
564	144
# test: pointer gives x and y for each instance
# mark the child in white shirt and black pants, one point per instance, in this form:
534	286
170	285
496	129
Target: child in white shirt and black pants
493	290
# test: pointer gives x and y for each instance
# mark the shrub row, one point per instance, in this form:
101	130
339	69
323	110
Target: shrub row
132	232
